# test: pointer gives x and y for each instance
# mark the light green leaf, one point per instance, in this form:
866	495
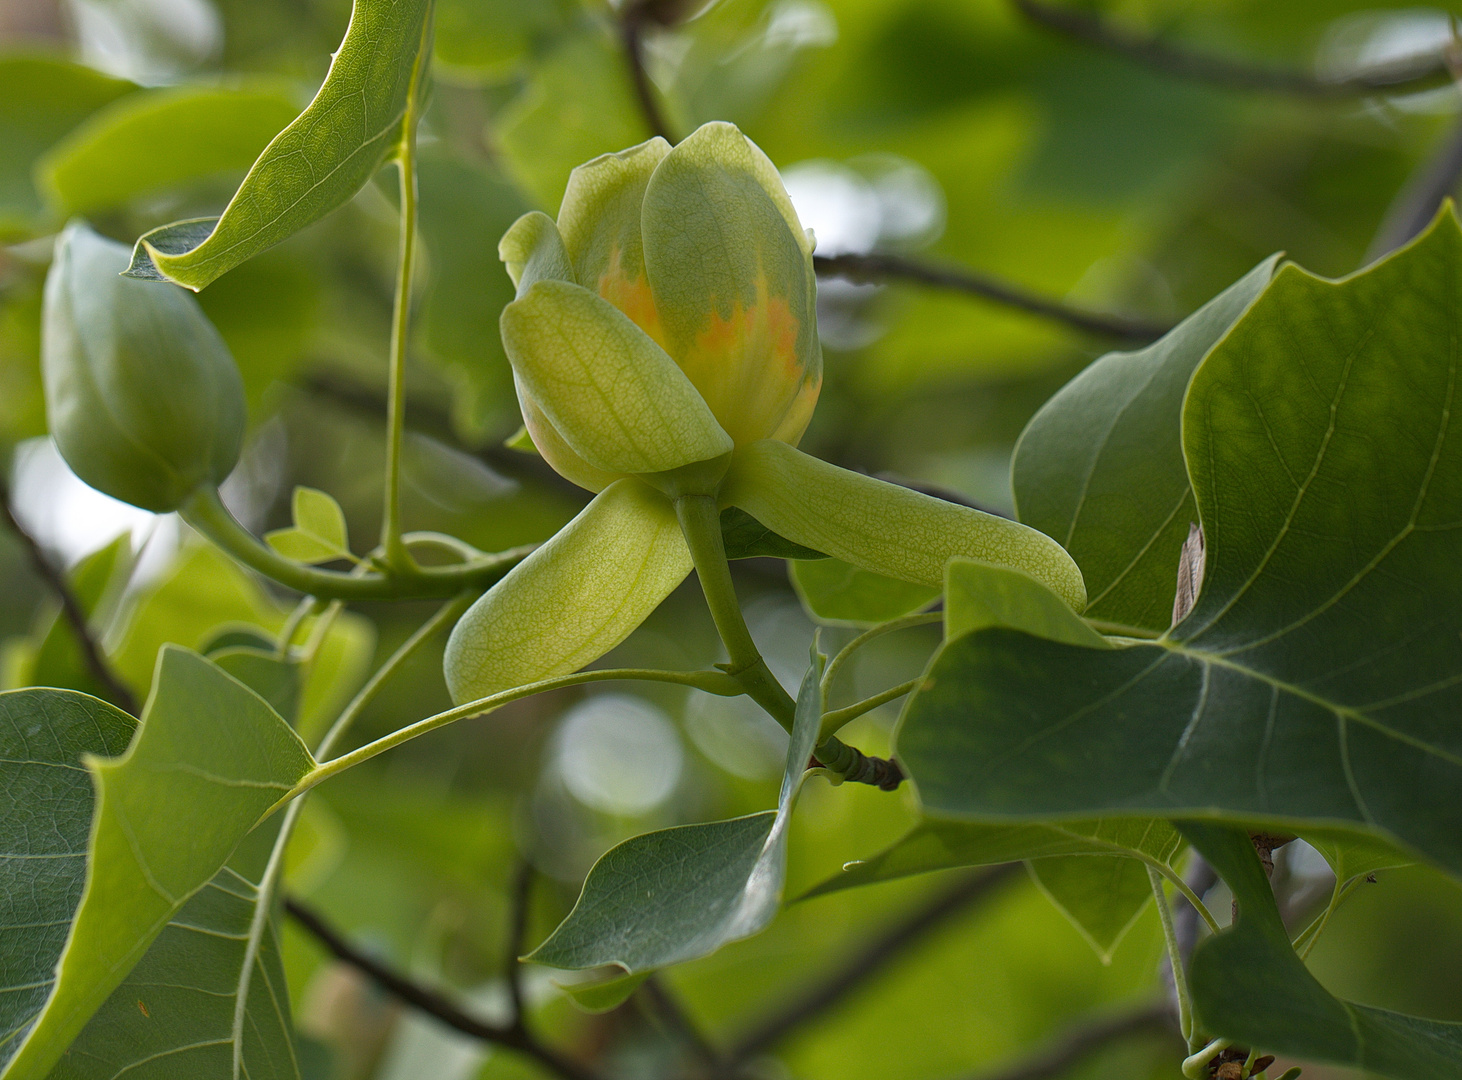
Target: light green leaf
1351	856
161	139
882	527
673	895
478	40
576	104
1315	682
1101	895
978	595
464	209
45	817
835	592
209	752
614	395
275	680
943	845
574	598
41	99
317	513
177	1010
1248	985
605	994
318	534
316	163
1100	467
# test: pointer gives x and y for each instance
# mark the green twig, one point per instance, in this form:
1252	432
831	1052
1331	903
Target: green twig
1175	956
206	513
832	721
712	682
700	521
835	665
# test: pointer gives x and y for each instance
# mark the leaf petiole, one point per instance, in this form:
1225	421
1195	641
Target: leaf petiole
206	513
922	618
832	721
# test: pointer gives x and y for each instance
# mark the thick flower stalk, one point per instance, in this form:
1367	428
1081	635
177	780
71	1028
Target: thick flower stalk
664	348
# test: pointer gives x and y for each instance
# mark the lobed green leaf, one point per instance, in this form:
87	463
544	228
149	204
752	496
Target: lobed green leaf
1316	680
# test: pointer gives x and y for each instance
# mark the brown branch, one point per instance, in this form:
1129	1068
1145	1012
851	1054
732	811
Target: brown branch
638	14
71	610
1079	1043
882	268
1411	73
511	1037
517	934
877	956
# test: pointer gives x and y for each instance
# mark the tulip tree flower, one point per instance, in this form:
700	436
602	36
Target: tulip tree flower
664	348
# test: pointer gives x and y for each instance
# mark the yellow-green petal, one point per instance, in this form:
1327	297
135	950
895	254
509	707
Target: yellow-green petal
600	224
617	399
573	599
550	445
882	527
533	251
731	272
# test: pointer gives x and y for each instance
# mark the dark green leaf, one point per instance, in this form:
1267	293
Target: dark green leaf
1249	985
1101	469
747	538
45	818
1317	680
673	895
316	163
209	753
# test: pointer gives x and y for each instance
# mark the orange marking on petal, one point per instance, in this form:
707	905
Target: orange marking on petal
633	297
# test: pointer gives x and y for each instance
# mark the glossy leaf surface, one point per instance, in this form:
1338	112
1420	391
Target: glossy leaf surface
316	163
210	752
673	895
1316	679
1249	984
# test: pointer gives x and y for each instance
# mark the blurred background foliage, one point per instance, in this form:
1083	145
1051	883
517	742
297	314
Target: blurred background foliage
955	130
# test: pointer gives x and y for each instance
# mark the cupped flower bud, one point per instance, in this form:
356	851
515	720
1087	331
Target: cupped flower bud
667	271
142	397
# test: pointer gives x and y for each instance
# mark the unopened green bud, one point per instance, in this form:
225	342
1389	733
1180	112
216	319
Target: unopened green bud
142	397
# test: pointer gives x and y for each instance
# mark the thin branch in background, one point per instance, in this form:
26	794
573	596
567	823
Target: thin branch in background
1420	197
868	963
1081	1042
517	934
665	1006
431	1002
1408	74
883	268
71	610
636	16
